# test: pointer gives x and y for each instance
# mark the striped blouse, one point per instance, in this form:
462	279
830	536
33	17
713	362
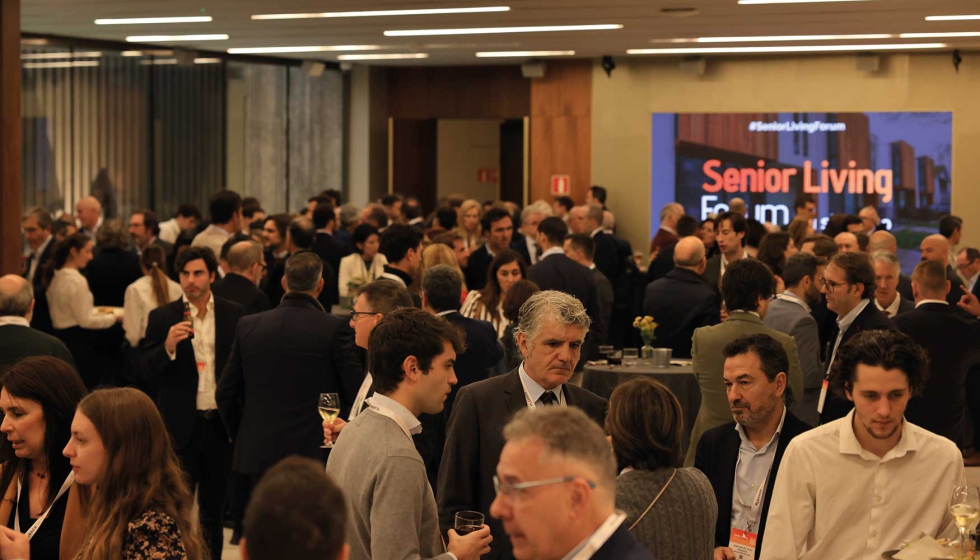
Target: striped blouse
474	309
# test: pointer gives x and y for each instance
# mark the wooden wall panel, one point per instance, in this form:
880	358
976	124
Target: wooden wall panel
10	137
414	150
480	92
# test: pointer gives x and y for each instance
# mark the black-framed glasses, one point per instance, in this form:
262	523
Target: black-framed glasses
354	314
831	285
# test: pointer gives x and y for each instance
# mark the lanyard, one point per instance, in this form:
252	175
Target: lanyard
599	538
754	508
37	524
792	299
388	412
527	396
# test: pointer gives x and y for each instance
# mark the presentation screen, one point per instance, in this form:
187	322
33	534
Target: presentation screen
900	163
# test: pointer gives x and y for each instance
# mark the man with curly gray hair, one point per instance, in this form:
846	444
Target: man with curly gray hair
550	332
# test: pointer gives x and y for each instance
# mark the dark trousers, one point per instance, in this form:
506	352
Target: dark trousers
206	460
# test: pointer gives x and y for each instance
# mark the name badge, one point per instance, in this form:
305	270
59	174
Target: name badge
201	366
823	395
742	544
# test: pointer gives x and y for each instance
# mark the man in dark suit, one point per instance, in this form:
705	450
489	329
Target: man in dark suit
737	456
402	246
953	343
588	220
144	229
732	229
849	284
280	362
968	267
17	339
936	248
580	247
246	265
300	235
113	268
664	261
36	225
682	301
555	271
182	372
888	271
550	335
329	249
498	230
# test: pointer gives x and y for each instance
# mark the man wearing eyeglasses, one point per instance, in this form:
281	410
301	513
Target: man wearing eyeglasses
968	267
246	265
849	283
556	490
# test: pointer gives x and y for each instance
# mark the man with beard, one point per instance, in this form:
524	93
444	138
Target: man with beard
741	458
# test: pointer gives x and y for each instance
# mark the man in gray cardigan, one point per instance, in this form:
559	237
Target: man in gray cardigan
391	507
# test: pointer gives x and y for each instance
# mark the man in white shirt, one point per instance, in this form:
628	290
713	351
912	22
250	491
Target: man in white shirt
557	465
968	267
226	219
88	212
888	270
732	229
187	218
862	485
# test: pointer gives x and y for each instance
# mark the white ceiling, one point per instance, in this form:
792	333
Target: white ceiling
643	22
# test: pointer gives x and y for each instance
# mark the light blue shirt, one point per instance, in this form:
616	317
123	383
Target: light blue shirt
533	389
753	466
403	414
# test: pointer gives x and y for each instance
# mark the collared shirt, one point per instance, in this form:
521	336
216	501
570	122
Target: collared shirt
213	238
844	323
552	251
925	301
403	414
414	221
972	281
36	258
833	499
170	230
534	391
446	312
71	302
668	229
203	343
592	266
392	273
725	263
532	249
14	320
753	469
599	229
791	297
91	232
139	300
599	537
892	309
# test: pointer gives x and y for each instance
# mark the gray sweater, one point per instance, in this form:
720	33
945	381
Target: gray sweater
391	511
681	526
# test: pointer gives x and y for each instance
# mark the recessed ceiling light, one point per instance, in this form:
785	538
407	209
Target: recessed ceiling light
521	54
953	18
790	49
938	35
66	64
174	38
489	30
34	42
207	61
333	48
404	56
382	13
142	21
776	38
159	62
38	56
131	53
795	1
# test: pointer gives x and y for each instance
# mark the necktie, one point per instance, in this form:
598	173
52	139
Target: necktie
548	398
887	313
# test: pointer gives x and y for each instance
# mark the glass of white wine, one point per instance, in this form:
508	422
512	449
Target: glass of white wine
329	408
964	506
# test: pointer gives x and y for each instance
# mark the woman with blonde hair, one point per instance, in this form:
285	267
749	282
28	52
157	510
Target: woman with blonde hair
468	224
153	290
438	253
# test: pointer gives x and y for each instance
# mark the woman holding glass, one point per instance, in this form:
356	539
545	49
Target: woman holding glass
506	269
365	264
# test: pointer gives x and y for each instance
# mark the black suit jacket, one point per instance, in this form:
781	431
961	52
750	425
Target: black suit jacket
241	290
905	286
173	384
477	268
681	302
18	342
712	272
110	273
519	244
953	343
482	353
664	263
474	442
330	251
716	456
558	272
280	362
41	320
869	319
622	546
607	256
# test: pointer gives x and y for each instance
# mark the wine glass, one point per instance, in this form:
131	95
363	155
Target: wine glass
964	506
468	521
329	408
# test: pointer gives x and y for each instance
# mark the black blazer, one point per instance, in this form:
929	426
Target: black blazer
869	319
477	268
716	456
607	256
41	320
664	263
712	272
173	384
473	444
905	287
519	244
681	302
622	546
330	251
558	272
953	343
18	342
280	362
241	290
110	273
482	353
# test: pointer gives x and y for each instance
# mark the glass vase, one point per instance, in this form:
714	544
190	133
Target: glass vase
646	353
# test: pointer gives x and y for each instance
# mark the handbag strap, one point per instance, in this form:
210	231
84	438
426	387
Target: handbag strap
654	502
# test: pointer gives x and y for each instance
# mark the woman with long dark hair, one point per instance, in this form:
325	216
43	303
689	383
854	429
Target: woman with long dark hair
775	249
38	402
506	269
153	290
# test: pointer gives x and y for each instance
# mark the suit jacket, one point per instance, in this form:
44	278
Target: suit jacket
955	290
953	343
18	342
168	248
607	256
709	365
869	319
173	384
660	266
789	317
482	353
41	320
681	302
110	273
976	289
717	453
905	287
607	298
241	290
622	546
662	238
473	444
558	272
905	305
280	362
330	250
712	272
477	268
519	244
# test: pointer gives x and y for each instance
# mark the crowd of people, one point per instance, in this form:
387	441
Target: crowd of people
186	359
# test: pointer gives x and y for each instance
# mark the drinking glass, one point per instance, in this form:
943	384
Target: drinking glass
630	357
964	506
468	521
605	350
329	408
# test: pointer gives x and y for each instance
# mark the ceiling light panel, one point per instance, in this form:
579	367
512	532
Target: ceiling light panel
778	38
522	54
493	30
967	17
149	21
385	13
280	50
789	49
402	56
175	38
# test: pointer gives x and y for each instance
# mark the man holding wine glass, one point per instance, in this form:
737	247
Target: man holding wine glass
863	485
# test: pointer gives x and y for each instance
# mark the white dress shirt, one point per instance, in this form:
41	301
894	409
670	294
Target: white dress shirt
552	251
725	263
37	257
170	230
925	301
892	309
138	302
535	391
14	320
473	309
411	422
203	343
752	472
352	266
213	238
972	281
71	302
833	499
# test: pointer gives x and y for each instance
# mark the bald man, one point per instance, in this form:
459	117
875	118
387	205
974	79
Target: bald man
738	206
246	264
17	339
88	212
682	300
936	248
847	243
869	219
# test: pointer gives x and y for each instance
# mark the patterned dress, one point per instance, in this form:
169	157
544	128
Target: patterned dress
153	536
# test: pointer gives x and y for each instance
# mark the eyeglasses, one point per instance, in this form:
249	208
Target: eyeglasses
831	285
515	491
354	314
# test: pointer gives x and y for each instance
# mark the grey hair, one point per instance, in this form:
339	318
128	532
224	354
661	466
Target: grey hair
539	207
111	235
887	257
243	255
19	303
595	213
550	303
42	215
570	434
303	272
669	210
608	220
349	214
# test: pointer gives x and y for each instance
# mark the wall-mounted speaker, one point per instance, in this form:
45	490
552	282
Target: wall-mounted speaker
533	69
695	66
868	62
313	68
